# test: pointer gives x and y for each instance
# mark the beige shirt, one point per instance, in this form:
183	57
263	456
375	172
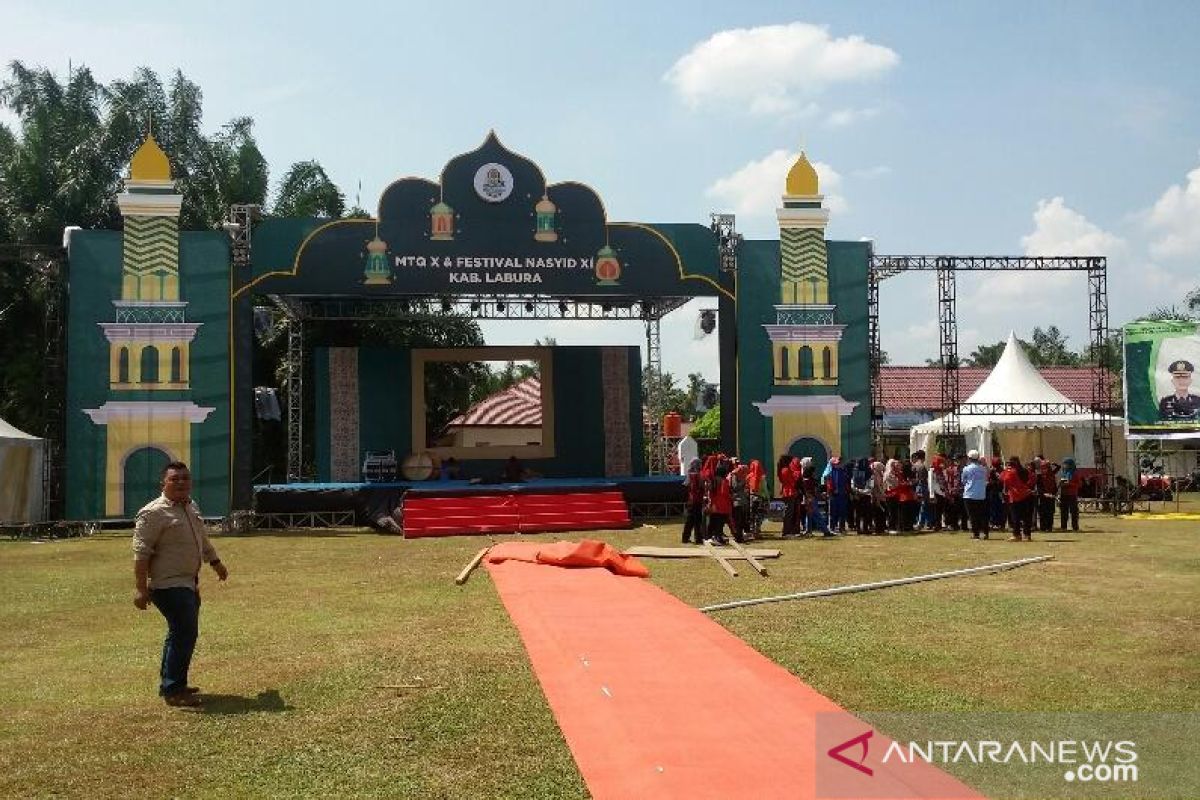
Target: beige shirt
173	539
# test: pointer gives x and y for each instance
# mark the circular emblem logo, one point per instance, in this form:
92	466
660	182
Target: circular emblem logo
493	182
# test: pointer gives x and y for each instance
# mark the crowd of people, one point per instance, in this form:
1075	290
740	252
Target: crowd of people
959	493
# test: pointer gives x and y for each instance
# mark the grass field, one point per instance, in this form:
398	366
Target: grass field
302	650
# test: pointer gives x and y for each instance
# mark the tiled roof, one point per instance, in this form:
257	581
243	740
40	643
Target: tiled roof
519	404
920	388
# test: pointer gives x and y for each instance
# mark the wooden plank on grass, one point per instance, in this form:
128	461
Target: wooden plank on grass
650	551
759	568
725	565
466	573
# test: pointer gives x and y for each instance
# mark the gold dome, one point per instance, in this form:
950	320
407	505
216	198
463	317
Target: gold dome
545	206
377	245
802	178
150	163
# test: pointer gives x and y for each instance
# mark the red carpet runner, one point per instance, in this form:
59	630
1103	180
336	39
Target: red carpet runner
656	700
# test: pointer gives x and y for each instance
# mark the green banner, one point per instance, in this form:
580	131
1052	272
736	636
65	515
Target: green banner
1160	363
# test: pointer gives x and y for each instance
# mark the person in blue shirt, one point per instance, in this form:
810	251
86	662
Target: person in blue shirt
974	492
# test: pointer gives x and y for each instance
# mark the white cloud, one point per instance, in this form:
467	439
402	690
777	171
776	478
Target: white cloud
1174	221
753	191
1061	231
772	69
845	117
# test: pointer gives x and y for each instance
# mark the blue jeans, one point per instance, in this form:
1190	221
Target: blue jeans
180	606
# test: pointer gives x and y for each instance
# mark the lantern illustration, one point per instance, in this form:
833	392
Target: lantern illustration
441	219
377	270
608	268
545	212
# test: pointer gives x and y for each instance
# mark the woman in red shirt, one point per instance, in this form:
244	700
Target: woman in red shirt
1017	480
1069	483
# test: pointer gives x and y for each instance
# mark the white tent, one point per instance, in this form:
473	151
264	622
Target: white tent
1014	382
21	458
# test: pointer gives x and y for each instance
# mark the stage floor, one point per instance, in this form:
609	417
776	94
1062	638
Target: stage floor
446	487
370	501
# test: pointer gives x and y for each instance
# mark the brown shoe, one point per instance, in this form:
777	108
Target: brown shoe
182	699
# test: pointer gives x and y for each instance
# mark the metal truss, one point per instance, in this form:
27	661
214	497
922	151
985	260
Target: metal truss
887	266
305	519
654	400
948	352
294	386
883	267
1019	409
239	225
728	240
504	306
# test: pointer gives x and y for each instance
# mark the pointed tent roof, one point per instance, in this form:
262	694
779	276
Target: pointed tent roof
1015	380
7	431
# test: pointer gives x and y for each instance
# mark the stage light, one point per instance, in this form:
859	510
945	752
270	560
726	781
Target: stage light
404	306
606	308
500	307
475	305
562	308
647	307
446	306
708	320
529	306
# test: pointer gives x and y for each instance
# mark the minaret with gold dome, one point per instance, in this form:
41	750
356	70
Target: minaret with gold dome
150	340
804	336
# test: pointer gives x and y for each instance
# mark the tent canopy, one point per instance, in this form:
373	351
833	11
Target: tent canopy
21	458
1015	381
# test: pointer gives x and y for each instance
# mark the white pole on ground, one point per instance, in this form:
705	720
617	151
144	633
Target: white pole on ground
866	587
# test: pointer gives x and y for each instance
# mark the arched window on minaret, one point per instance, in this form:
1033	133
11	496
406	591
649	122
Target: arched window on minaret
785	368
123	365
149	364
177	365
826	363
806	363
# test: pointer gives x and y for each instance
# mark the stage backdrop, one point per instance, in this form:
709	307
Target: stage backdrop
1161	399
365	399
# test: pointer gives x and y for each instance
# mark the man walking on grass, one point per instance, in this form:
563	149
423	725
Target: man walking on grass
170	543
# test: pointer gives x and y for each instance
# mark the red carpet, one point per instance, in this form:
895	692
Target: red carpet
656	700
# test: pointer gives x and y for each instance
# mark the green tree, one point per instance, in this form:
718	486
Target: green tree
671	396
307	191
708	426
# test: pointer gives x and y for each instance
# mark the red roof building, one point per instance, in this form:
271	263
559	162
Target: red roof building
912	389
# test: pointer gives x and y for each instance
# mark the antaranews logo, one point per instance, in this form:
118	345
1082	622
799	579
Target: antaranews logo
862	739
1087	761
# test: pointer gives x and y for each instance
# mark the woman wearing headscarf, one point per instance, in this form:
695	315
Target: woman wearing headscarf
1046	492
693	520
907	496
996	499
891	493
937	492
787	490
1069	483
756	482
739	490
1017	486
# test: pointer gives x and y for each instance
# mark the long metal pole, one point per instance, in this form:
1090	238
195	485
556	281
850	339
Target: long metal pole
866	587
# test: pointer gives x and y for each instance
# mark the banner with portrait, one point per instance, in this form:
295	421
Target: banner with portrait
1162	398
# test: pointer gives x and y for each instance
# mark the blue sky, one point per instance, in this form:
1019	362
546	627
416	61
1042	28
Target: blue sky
937	128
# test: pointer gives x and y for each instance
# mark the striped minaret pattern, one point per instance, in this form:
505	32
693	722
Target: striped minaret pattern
804	336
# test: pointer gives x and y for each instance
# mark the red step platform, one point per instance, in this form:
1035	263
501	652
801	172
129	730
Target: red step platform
455	514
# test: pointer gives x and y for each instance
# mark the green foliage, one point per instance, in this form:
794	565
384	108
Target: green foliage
672	397
709	425
306	191
1047	348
